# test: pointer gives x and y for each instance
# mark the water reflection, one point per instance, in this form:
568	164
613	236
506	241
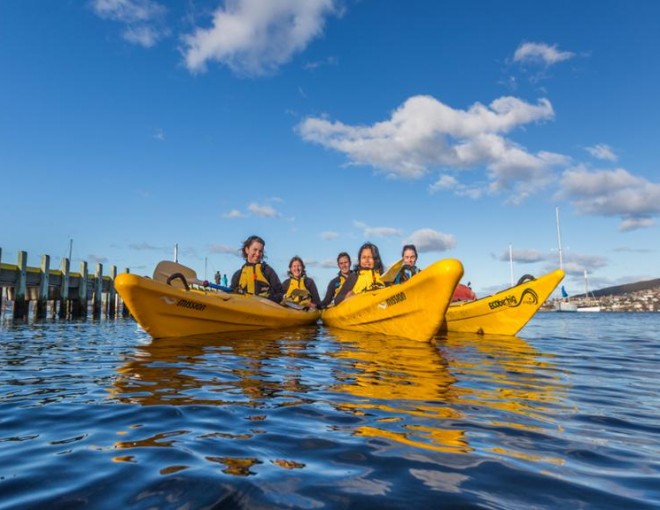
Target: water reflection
251	369
505	373
403	389
513	389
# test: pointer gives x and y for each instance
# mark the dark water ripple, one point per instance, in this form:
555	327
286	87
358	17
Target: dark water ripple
95	415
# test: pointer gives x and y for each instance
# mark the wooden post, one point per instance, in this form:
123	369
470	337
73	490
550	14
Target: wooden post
64	290
42	300
21	305
80	308
97	300
111	291
124	309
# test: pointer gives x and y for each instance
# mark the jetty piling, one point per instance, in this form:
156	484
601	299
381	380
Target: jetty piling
69	292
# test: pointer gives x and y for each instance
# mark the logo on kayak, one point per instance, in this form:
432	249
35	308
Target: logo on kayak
184	303
393	300
528	296
168	300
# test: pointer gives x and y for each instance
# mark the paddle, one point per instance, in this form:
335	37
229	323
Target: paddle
389	275
167	268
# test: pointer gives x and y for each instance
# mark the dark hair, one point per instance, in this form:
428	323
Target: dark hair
248	242
344	254
293	259
378	263
409	247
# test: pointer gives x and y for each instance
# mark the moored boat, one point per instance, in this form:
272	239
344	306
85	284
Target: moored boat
413	309
164	310
503	313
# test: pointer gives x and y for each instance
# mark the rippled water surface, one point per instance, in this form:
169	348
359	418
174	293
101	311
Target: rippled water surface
96	415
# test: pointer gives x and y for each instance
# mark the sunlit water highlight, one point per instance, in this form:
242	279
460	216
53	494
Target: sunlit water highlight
96	415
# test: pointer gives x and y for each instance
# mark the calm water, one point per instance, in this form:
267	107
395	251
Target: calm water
95	415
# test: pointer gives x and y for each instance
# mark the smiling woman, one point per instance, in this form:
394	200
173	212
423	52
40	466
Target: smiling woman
256	277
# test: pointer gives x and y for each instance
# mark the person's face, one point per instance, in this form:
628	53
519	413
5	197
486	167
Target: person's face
296	268
367	259
254	252
409	258
344	265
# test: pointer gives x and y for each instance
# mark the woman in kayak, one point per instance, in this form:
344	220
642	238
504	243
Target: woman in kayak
299	288
408	269
256	277
366	276
335	285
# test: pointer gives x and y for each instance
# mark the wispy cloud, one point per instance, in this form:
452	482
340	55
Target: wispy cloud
576	264
540	53
603	152
253	37
328	263
525	256
143	20
265	211
369	232
429	240
234	213
612	193
158	134
329	236
144	247
97	259
223	248
425	134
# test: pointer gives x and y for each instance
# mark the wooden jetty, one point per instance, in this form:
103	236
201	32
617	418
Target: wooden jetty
67	294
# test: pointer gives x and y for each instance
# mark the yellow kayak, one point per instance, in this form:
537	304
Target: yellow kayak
167	311
413	309
504	313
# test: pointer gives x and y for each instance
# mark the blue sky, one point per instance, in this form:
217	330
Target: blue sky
132	126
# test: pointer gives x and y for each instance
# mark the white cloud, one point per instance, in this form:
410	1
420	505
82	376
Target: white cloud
253	37
234	213
424	133
542	53
159	135
369	232
265	211
223	248
524	256
429	240
576	264
328	263
144	247
143	19
612	193
602	151
329	236
634	223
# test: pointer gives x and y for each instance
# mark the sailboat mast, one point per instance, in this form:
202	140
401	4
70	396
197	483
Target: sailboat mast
561	257
511	263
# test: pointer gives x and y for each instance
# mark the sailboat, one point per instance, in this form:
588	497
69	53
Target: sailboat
564	305
590	304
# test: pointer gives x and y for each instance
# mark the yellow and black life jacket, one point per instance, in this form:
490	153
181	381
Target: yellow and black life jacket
406	273
253	281
339	285
297	292
367	280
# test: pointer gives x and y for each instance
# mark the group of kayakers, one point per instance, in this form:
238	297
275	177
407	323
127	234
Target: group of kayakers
258	278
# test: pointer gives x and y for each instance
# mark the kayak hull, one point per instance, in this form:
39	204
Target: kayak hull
503	313
413	309
167	311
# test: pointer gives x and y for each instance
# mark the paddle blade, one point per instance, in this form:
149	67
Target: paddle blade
389	275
